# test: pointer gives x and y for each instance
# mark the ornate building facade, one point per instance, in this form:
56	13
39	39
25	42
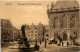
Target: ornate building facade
64	20
34	32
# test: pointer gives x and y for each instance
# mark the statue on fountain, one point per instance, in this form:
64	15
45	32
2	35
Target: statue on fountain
23	40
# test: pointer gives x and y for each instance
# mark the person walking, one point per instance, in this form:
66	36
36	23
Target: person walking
62	43
45	43
36	45
40	42
67	44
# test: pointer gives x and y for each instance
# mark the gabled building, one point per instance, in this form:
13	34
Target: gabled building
31	32
40	28
34	32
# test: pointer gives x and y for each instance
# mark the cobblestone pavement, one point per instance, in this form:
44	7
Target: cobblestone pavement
55	48
49	48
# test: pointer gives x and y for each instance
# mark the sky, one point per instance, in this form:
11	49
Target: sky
18	14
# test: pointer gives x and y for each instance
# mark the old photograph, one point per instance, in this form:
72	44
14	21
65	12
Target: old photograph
40	26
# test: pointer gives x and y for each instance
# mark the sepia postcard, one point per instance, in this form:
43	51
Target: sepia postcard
39	26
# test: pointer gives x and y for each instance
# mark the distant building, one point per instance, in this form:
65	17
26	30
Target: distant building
16	34
31	32
64	20
40	31
46	31
8	32
34	32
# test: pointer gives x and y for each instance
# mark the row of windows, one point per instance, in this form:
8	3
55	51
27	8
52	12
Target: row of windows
6	31
6	25
63	23
32	35
32	31
73	34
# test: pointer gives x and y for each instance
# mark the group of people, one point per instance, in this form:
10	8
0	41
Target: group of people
67	44
37	46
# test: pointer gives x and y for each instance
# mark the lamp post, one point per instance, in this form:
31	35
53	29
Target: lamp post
71	28
71	25
60	27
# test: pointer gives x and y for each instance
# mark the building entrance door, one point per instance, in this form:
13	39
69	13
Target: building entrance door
64	36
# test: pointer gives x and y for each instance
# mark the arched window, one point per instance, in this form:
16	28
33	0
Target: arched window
64	21
56	22
72	22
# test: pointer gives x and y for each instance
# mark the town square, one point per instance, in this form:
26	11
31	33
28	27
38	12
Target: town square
40	26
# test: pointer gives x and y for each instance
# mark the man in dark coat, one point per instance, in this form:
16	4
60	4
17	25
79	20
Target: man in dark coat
67	44
45	43
62	43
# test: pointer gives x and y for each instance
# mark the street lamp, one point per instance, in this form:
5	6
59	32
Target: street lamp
60	28
71	24
71	28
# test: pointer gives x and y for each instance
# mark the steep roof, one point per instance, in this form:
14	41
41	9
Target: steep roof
65	4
